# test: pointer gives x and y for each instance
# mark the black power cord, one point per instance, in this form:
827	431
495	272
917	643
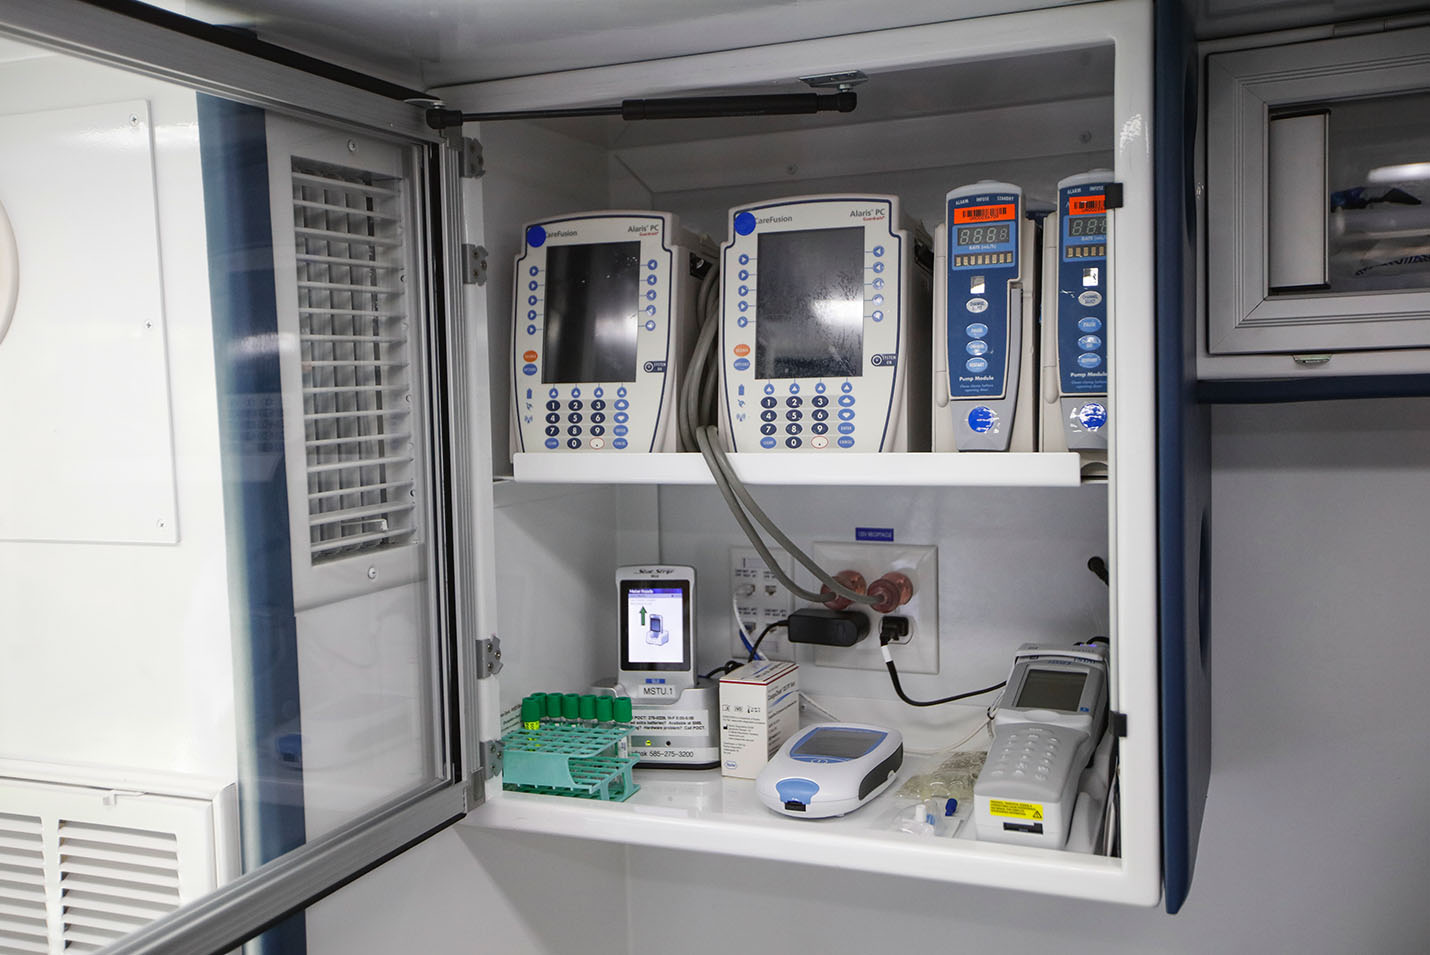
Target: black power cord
729	665
890	630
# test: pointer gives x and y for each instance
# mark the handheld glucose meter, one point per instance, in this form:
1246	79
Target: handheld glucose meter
1075	317
1049	722
830	769
983	322
657	642
823	335
603	323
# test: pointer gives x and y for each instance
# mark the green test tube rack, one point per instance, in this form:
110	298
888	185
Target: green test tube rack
569	760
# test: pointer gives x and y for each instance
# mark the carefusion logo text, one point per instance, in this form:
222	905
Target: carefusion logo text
562	233
766	220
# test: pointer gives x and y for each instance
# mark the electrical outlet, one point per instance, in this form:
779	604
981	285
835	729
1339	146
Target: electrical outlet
918	653
760	600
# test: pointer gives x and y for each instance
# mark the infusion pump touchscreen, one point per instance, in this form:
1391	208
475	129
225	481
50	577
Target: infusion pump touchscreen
602	323
814	334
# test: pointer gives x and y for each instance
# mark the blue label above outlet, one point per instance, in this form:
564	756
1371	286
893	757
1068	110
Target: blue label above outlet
884	534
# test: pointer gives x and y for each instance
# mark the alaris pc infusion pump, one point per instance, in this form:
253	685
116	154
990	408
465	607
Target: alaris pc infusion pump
983	322
603	325
822	341
1075	317
1049	721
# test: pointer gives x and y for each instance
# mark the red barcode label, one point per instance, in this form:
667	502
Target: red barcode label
1086	205
983	213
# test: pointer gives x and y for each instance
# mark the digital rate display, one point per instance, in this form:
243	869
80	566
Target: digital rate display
655	619
1051	690
985	235
1087	225
592	312
809	299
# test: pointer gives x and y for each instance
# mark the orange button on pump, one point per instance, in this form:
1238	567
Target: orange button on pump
530	355
742	350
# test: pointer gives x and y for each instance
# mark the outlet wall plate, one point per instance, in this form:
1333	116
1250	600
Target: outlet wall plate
761	600
919	652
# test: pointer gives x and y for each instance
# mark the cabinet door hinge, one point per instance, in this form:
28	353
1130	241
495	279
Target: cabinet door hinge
474	264
488	657
491	758
1119	724
473	163
1112	195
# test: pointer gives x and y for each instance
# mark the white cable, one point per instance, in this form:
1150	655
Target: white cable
9	273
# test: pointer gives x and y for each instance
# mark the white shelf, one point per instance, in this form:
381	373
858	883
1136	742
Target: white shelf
706	812
801	468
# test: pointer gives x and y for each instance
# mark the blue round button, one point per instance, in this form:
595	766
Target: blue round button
846	442
877	315
531	300
742	321
846	400
744	259
575	392
531	329
1089	323
531	286
619	444
846	427
599	393
767	442
555	393
622	404
794	387
819	388
744	276
1092	415
743	306
877	300
846	387
621	391
1089	359
650	309
652	279
534	271
977	330
573	443
769	389
976	365
531	315
878	251
976	347
650	326
742	364
878	283
650	295
528	369
621	417
744	223
536	237
621	429
846	414
792	442
553	443
1089	343
878	266
744	290
982	419
652	264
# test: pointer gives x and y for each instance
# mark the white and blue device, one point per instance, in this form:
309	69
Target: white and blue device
824	332
983	371
603	323
1050	720
657	635
830	769
1075	318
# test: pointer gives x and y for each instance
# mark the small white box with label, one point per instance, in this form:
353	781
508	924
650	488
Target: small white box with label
759	710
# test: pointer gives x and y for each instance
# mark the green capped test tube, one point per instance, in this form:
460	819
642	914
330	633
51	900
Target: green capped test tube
571	707
623	709
605	710
588	710
531	708
553	707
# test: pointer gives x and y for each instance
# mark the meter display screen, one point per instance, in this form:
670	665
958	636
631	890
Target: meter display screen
1087	225
809	299
984	234
837	744
592	312
655	624
1051	690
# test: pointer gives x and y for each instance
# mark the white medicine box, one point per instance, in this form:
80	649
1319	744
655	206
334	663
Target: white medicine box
759	709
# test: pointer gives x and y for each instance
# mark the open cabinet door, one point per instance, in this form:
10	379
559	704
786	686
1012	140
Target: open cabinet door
1183	465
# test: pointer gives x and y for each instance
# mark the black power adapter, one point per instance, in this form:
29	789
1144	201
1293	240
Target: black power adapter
828	628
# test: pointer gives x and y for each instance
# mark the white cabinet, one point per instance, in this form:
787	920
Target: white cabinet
1028	98
1318	199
